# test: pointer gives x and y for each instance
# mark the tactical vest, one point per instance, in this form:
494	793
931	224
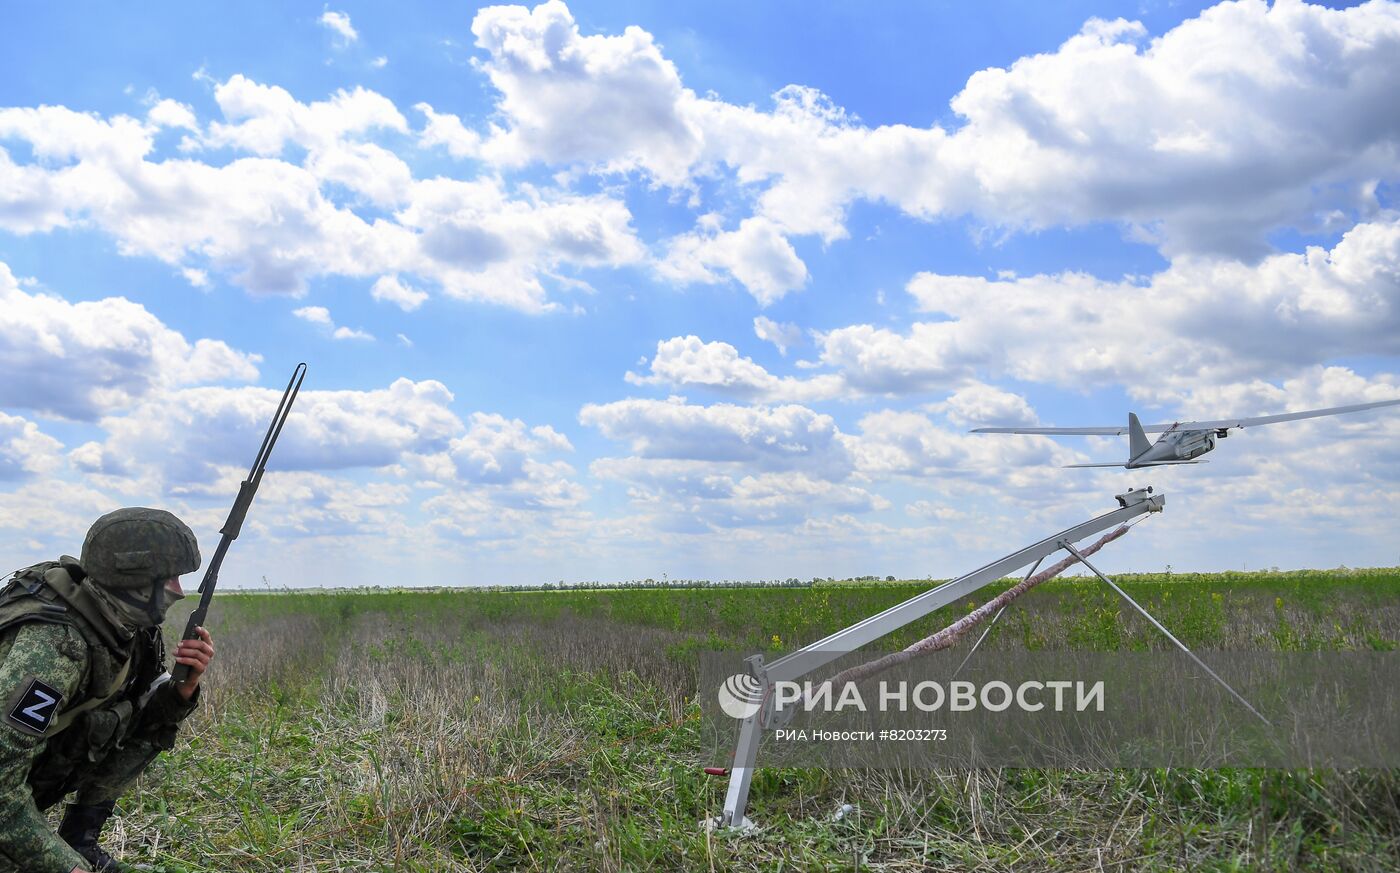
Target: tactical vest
120	668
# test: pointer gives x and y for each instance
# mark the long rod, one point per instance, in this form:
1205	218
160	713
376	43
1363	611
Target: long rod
991	624
233	525
824	651
1168	634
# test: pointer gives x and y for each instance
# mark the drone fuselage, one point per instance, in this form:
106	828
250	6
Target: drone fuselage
1176	446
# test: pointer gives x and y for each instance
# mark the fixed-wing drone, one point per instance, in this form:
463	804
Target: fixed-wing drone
1180	442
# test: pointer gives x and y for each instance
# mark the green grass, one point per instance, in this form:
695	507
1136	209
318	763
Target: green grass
499	730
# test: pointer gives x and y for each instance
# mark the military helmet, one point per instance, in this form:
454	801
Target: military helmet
135	547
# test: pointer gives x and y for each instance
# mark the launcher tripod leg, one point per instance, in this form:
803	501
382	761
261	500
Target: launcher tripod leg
1069	547
736	798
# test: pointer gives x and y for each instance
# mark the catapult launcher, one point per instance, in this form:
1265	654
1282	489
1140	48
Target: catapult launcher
1132	505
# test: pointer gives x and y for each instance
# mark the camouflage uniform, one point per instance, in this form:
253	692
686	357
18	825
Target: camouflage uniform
88	704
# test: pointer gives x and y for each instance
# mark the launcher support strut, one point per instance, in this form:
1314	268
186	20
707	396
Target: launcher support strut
1069	547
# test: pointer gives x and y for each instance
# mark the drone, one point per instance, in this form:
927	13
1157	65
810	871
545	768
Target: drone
1181	442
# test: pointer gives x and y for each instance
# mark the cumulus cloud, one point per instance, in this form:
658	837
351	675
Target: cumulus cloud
689	362
699	497
80	360
1252	116
56	511
273	224
314	314
479	244
189	434
979	404
769	439
447	130
25	450
877	360
172	114
339	24
603	99
756	255
1200	321
780	334
320	315
893	443
390	290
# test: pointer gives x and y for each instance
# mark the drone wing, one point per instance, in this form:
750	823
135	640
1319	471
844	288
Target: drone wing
1191	425
1080	431
1287	416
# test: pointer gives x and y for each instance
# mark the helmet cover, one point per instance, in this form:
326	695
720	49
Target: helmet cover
137	547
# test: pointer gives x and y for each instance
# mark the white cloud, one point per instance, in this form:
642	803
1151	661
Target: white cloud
909	444
689	362
380	62
25	450
187	435
196	278
314	314
610	100
876	360
1197	322
697	497
55	511
80	360
390	290
321	316
263	119
506	458
780	334
756	255
172	114
447	130
935	511
339	24
478	244
495	449
978	404
767	439
1252	116
274	225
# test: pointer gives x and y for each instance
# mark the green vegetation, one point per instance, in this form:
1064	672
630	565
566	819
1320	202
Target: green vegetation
500	730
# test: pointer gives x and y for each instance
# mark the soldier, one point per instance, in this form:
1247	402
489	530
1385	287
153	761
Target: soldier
88	703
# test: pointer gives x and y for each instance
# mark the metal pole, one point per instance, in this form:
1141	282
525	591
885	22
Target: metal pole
736	798
824	651
1158	625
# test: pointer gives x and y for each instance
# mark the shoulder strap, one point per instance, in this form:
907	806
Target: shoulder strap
81	601
95	700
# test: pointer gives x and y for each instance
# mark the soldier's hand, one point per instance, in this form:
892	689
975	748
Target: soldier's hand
195	654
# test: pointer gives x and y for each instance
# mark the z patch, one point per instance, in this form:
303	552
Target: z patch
35	708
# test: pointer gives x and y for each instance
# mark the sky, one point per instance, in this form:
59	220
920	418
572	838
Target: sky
618	290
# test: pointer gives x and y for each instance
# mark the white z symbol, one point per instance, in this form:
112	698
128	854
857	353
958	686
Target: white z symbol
33	711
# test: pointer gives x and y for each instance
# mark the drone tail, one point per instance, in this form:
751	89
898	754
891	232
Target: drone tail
1137	437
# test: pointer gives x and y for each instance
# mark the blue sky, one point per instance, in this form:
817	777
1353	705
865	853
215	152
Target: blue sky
611	290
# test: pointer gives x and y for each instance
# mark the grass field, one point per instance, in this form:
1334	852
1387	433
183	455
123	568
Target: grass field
497	730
